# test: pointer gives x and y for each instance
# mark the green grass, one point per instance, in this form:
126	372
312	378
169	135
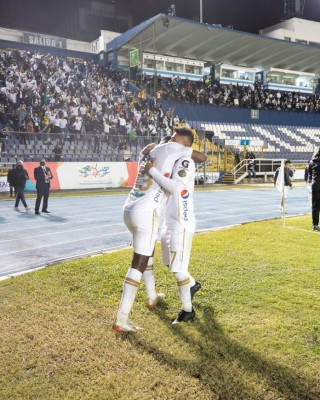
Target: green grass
256	334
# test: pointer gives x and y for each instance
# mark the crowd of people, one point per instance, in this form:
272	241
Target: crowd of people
211	92
72	97
42	92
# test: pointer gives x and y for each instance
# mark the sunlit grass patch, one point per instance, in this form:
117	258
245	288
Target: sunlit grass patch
256	333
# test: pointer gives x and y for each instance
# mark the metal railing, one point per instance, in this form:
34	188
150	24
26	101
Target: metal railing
72	146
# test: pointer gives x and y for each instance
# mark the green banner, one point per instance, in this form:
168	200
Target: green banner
134	58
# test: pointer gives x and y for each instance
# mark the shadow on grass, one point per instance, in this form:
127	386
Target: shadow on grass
231	371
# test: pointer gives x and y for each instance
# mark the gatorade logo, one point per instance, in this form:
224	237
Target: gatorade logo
184	194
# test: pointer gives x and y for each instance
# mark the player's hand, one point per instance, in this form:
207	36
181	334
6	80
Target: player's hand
147	166
146	150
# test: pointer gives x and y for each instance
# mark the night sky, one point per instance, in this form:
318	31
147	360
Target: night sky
46	16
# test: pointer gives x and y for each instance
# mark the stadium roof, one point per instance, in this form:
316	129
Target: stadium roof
178	37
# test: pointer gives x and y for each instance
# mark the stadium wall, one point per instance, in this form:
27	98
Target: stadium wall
81	175
6	44
210	113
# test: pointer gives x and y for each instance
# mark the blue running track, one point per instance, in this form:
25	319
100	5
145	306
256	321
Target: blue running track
80	226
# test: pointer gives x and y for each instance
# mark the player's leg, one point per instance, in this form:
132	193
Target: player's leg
315	209
153	297
130	288
180	249
141	228
165	253
283	199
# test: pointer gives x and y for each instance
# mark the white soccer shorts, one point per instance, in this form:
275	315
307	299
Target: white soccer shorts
144	225
176	249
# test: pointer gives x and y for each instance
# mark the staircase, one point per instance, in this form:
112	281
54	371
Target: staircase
232	178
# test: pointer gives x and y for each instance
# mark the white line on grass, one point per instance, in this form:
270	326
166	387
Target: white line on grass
301	230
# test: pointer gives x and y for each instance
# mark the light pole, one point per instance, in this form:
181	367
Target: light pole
201	13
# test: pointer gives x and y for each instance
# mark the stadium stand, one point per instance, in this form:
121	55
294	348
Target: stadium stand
297	143
90	110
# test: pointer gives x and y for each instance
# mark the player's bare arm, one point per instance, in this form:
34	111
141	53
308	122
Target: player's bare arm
146	150
198	157
147	166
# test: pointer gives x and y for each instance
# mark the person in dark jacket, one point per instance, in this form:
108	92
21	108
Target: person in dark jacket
251	169
10	181
20	177
308	184
42	175
314	179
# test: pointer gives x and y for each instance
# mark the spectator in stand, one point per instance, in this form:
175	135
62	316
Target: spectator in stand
20	177
122	124
237	158
251	169
10	181
30	127
57	151
96	141
77	125
172	10
36	122
63	127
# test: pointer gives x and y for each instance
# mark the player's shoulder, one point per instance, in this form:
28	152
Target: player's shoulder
186	162
184	166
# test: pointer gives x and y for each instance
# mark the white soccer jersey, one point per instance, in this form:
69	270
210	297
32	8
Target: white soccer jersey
179	206
147	193
176	238
145	201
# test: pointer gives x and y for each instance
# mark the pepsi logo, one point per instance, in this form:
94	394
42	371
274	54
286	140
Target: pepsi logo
184	194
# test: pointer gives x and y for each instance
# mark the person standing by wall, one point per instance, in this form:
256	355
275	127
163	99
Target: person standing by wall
20	177
10	181
251	169
42	175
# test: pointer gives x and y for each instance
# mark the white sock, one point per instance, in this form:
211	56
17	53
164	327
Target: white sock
192	281
130	287
183	282
149	281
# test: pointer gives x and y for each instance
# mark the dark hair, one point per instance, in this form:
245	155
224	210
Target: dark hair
186	132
